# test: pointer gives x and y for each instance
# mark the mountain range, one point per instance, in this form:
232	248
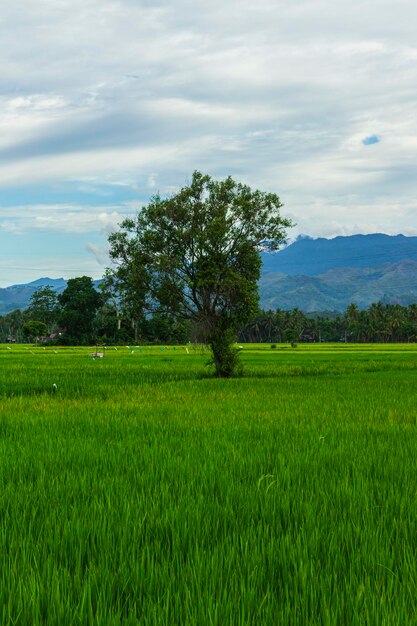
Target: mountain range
311	274
334	290
312	257
329	274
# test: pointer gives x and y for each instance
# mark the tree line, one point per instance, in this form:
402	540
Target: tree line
380	323
81	315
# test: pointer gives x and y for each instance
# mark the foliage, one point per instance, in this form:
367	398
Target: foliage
291	335
79	304
44	307
34	329
380	323
196	256
11	326
160	328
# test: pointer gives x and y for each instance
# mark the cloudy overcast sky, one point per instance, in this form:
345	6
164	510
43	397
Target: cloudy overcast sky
103	103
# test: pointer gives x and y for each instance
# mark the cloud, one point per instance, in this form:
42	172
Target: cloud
68	219
100	252
118	100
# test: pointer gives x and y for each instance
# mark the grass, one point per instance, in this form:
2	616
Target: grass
142	491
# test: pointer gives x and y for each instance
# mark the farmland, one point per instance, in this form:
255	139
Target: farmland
138	489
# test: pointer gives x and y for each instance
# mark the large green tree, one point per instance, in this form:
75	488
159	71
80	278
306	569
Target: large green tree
195	256
79	304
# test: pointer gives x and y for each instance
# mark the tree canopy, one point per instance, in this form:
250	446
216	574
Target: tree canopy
195	255
34	329
79	304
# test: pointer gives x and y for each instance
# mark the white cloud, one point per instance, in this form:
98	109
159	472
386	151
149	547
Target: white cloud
100	252
134	95
62	219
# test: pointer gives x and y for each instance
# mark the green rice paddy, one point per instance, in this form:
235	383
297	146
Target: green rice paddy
136	489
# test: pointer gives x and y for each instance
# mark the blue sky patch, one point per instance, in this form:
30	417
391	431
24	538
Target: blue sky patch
369	141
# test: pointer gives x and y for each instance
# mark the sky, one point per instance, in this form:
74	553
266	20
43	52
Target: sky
104	103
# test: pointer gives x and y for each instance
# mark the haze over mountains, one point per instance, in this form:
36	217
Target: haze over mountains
311	274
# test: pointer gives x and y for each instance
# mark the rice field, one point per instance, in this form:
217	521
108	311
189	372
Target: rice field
136	489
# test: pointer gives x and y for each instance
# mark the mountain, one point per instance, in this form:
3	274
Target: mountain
334	290
311	274
329	274
312	257
56	283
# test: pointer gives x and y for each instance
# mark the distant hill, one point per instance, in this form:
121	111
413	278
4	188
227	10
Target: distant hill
311	274
58	284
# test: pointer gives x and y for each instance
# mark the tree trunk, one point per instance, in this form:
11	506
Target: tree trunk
225	356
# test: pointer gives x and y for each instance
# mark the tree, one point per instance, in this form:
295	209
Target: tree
352	321
79	303
298	322
11	325
105	325
43	306
196	256
122	290
34	329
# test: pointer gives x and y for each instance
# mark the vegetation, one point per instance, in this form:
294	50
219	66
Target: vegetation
44	307
33	330
79	304
112	321
195	256
379	323
137	490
